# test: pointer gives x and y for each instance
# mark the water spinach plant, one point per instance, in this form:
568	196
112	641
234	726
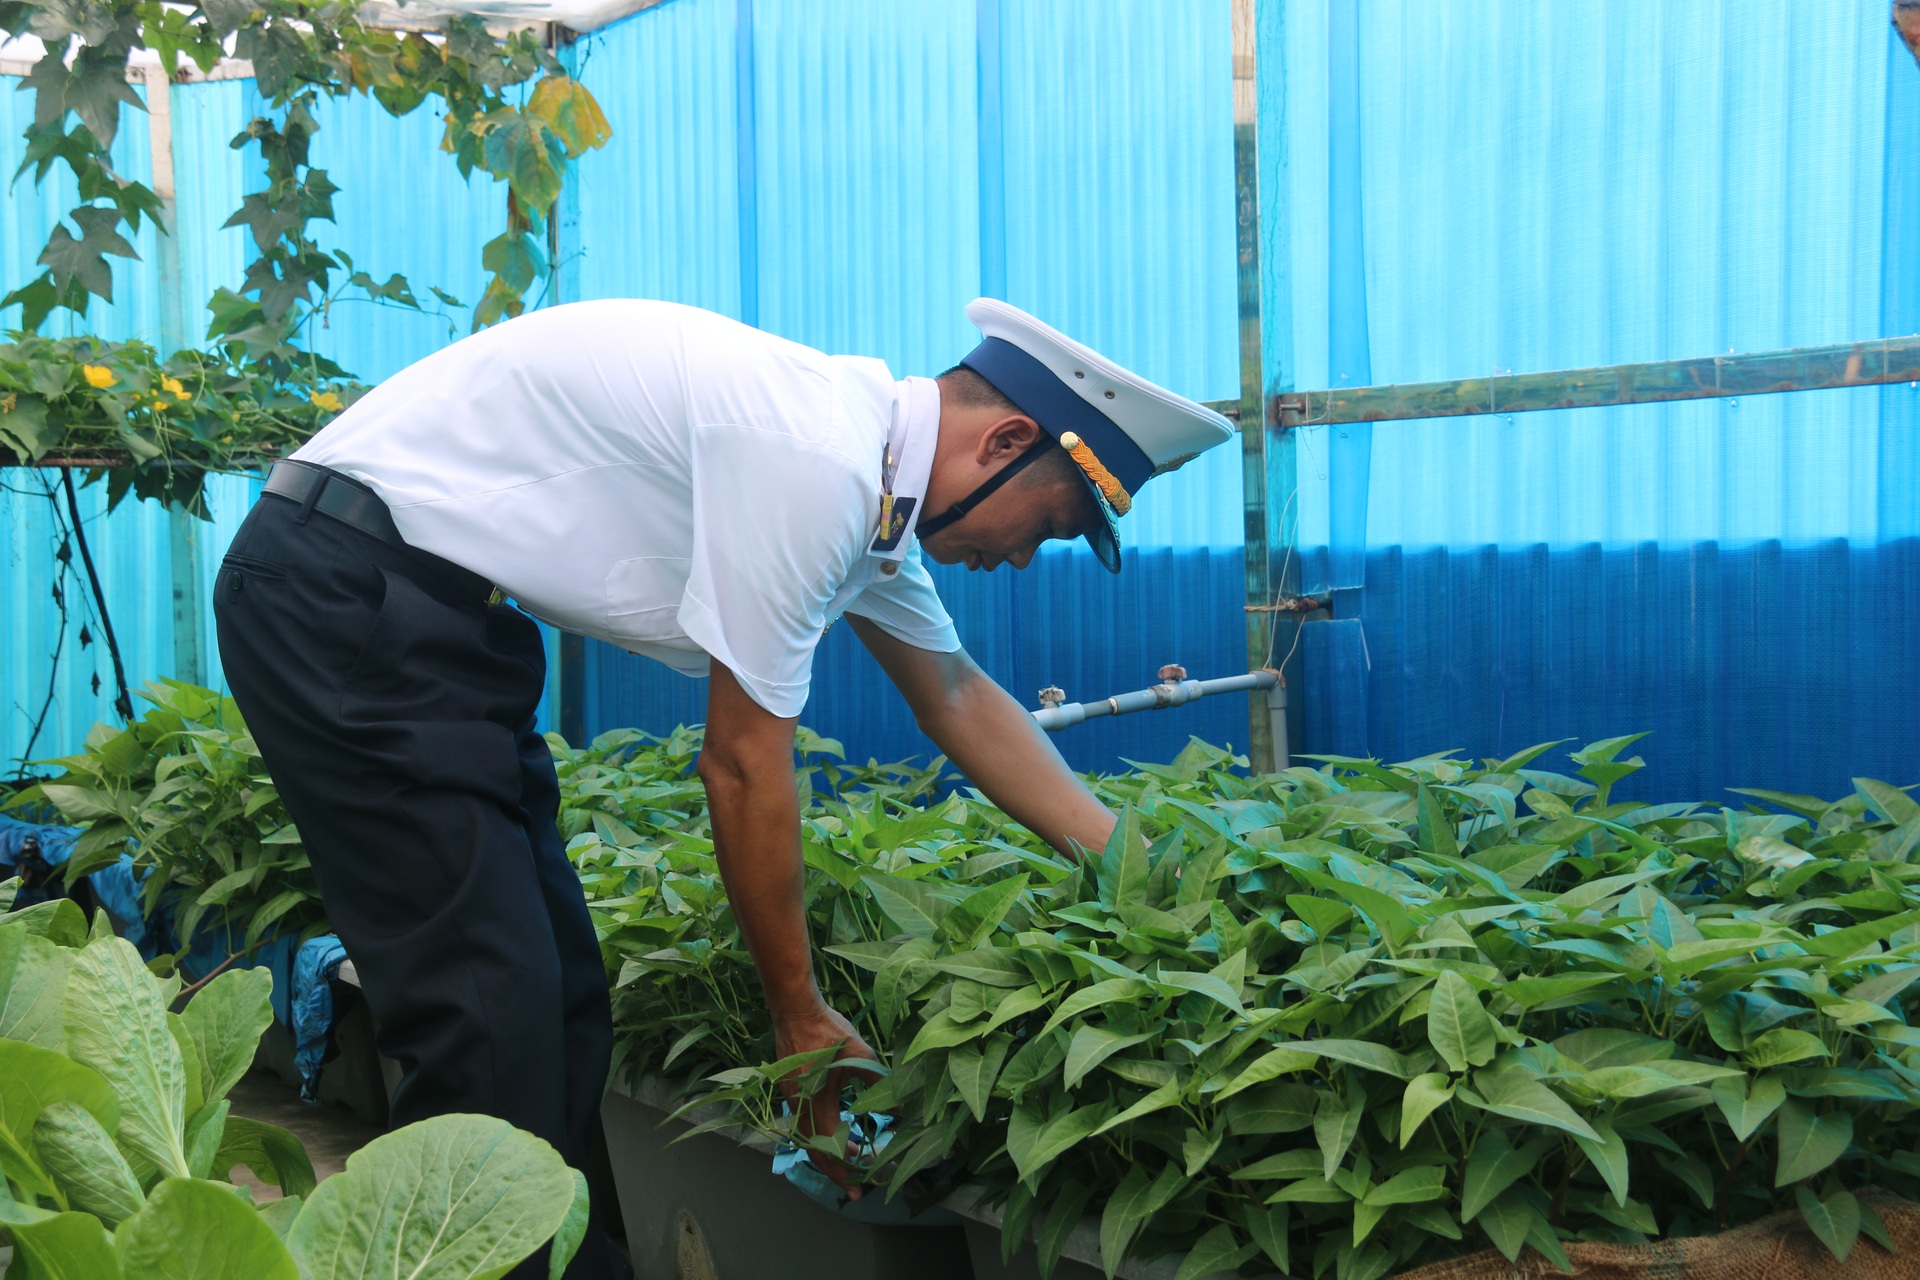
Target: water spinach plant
1337	1021
118	1141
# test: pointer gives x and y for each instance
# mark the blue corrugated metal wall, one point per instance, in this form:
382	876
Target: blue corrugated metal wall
1511	186
848	141
823	172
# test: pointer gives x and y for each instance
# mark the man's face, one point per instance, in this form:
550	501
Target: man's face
1012	523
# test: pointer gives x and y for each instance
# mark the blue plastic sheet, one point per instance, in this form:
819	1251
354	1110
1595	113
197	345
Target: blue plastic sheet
314	968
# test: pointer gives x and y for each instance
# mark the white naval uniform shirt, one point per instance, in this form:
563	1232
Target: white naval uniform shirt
662	478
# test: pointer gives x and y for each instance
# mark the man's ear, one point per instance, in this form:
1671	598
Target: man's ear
1006	439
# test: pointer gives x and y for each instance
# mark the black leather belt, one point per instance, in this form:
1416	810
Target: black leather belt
325	490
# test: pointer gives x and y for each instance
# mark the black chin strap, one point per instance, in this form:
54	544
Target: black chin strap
927	528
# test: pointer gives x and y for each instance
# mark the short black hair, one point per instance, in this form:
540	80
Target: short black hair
964	386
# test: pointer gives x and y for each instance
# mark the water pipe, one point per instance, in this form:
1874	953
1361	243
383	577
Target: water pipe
1174	690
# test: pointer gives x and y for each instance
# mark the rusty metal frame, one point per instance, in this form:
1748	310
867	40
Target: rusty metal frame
1874	362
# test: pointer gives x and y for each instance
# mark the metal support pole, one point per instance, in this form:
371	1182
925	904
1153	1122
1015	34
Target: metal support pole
183	537
1267	451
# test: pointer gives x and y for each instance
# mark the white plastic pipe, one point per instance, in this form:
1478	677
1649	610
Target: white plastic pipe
1173	694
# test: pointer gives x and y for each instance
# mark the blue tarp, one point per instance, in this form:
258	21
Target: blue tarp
302	972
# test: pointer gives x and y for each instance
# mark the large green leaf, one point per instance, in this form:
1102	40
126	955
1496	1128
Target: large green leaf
1809	1141
1747	1104
194	1230
1460	1030
31	1080
59	920
1834	1218
226	1019
1512	1092
1494	1165
1091	1046
78	1153
33	985
66	1246
1423	1094
116	1024
457	1197
274	1155
916	906
1139	1196
1219	1251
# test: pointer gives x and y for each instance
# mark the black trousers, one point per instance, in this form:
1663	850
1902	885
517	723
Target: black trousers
394	708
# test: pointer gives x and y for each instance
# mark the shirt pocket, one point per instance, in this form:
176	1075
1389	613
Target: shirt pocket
643	599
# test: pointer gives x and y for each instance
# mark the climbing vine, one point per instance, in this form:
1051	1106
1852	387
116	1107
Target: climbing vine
258	388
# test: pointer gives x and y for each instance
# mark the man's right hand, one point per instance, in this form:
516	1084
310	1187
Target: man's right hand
819	1112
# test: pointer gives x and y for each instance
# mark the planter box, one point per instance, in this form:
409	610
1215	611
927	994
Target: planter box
710	1208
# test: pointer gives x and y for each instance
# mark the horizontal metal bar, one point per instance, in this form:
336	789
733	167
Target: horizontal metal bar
1171	694
1852	364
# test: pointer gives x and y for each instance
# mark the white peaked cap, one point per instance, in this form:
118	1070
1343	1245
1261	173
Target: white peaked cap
1130	428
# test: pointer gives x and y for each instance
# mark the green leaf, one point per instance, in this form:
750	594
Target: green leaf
1809	1142
1273	1108
572	1229
1110	991
974	918
194	1230
1284	1060
1139	1196
1268	1227
31	1080
89	1170
1158	1099
1845	942
206	1130
116	1024
1062	1217
1436	832
60	921
1494	1165
1423	1095
915	906
1892	803
1461	1031
64	1246
1783	1045
1508	1221
1123	866
1206	984
523	150
1216	1252
1511	1092
274	1155
1748	1104
974	1068
1835	1219
457	1195
1609	1156
1091	1046
226	1019
1047	1142
1360	1053
33	985
1336	1122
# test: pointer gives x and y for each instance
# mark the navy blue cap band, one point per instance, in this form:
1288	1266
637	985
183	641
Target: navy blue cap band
1058	408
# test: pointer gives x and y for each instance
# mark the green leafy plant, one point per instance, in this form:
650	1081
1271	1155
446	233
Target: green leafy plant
257	389
185	790
1339	1020
117	1140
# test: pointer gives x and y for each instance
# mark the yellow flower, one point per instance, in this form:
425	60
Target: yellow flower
173	385
326	400
98	375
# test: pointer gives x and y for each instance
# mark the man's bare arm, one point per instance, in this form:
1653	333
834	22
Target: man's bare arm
993	740
747	767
